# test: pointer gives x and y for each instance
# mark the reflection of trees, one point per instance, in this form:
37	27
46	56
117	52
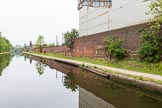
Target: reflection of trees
4	62
40	67
69	83
111	90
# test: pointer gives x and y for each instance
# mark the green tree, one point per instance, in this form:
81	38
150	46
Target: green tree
39	43
150	47
70	36
44	45
155	9
5	44
51	44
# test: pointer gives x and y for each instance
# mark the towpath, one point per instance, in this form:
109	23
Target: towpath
122	71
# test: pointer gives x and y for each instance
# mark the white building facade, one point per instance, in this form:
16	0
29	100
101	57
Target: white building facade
122	13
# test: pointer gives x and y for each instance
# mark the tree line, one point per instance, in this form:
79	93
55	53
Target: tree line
5	44
69	37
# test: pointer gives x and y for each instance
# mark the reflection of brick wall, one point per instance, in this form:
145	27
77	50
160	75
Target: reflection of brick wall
94	88
92	45
56	49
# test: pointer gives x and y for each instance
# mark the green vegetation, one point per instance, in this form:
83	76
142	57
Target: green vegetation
128	64
4	53
133	76
51	44
150	48
40	43
70	36
5	44
114	47
69	82
40	68
155	9
4	62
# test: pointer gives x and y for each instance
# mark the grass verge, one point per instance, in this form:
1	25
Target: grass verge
4	53
128	64
128	75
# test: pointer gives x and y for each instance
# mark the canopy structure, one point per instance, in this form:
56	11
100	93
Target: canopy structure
94	3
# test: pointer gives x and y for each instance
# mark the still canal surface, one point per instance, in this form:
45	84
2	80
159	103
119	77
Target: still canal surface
28	82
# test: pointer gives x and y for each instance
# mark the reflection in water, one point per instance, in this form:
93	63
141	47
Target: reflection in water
68	80
69	83
24	58
4	62
89	100
40	68
99	92
30	61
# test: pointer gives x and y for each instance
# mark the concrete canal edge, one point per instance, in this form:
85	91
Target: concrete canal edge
114	76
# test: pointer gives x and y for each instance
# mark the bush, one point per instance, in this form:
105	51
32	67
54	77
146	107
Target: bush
114	48
150	48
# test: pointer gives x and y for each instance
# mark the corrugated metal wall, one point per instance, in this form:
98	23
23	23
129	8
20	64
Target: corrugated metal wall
122	14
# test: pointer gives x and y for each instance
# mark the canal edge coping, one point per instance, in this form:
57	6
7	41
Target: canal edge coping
112	75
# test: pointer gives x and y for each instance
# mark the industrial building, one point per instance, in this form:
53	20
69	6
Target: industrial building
101	18
96	16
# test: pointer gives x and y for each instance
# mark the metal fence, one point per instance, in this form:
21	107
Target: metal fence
94	3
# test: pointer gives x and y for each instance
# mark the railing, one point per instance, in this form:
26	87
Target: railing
94	3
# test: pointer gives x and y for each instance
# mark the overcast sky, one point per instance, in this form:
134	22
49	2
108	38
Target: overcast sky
24	20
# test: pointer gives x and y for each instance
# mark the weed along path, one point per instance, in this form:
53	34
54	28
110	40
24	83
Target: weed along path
115	70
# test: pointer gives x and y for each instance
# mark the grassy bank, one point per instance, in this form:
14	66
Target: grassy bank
4	53
128	64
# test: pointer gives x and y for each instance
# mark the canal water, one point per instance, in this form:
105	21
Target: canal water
29	82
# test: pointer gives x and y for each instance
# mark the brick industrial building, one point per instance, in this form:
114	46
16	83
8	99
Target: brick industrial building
101	18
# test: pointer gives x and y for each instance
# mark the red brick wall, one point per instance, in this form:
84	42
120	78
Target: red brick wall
55	49
92	45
